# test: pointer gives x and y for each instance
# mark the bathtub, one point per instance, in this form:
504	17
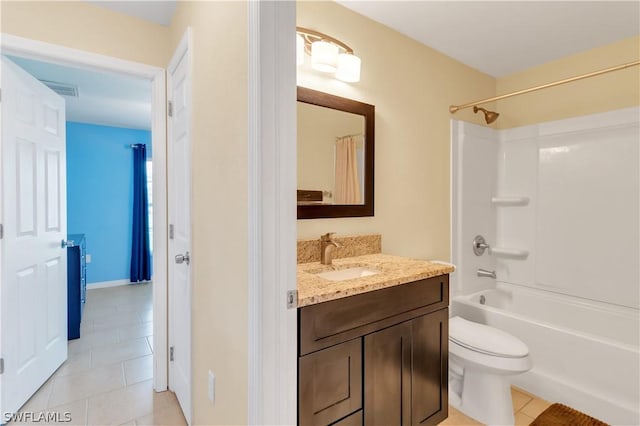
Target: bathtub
585	354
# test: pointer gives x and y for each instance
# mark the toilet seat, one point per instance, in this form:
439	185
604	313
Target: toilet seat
497	365
485	339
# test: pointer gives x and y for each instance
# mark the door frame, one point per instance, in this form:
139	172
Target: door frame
272	216
62	55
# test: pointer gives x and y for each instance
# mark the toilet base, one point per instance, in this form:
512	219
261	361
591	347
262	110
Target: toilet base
486	398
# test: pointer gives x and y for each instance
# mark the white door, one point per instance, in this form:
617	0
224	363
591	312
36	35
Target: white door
33	291
179	215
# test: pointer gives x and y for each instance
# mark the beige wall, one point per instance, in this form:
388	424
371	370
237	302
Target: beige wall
411	86
219	316
611	91
219	173
84	26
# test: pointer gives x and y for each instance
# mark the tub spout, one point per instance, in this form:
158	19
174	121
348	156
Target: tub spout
486	274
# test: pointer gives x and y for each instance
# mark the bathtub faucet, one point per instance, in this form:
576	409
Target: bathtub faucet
486	274
479	245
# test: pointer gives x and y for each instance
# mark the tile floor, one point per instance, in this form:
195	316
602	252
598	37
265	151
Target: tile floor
526	407
107	378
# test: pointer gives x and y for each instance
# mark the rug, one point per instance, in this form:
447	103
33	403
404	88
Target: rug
561	415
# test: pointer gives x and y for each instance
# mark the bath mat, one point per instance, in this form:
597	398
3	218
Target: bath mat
561	415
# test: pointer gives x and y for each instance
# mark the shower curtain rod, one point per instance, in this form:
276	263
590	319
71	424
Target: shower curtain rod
349	136
455	108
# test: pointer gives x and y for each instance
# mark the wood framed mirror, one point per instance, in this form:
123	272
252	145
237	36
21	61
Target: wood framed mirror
336	151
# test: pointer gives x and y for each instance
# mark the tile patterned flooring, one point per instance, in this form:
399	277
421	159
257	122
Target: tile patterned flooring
107	378
526	407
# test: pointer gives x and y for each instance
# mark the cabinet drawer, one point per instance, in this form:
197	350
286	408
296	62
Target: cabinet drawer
330	384
329	323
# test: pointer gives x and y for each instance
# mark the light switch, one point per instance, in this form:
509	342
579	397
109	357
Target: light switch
88	258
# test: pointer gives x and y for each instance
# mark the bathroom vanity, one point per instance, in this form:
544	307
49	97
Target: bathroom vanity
373	350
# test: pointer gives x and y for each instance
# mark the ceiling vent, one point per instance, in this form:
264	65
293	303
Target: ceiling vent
63	89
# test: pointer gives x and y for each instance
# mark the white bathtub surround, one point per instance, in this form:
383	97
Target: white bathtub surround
482	360
585	353
559	204
474	156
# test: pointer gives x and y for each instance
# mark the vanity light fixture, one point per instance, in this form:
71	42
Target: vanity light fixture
324	56
327	54
299	50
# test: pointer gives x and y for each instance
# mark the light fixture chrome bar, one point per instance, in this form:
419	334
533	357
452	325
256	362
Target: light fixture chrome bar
311	35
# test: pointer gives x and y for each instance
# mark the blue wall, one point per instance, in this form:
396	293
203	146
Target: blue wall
99	194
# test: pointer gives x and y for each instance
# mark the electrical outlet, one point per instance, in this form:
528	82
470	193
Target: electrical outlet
88	258
212	387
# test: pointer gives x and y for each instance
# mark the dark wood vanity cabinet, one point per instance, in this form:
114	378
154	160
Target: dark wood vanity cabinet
378	358
332	383
405	374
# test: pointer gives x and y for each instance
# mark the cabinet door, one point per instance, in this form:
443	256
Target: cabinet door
429	368
354	419
406	372
330	383
387	376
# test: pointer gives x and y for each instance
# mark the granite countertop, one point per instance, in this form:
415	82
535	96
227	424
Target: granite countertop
396	270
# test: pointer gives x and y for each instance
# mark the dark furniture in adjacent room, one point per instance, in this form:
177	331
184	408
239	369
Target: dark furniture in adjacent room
76	283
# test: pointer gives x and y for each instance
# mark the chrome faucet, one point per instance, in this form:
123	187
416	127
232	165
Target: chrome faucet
486	274
327	246
479	245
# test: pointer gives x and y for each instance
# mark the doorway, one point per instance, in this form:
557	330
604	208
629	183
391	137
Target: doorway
156	298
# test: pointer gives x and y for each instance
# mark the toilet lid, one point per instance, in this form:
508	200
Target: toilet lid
485	339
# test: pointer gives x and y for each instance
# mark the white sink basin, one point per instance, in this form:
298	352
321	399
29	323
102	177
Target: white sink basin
348	274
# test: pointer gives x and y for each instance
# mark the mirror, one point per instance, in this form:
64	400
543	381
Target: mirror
335	156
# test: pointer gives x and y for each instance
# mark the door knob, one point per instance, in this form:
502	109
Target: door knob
67	243
180	258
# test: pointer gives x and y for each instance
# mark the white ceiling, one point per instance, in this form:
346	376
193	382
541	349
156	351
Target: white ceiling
106	99
496	37
503	37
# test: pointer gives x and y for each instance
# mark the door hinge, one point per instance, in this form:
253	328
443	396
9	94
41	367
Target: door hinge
292	299
171	231
171	353
170	109
1	231
1	365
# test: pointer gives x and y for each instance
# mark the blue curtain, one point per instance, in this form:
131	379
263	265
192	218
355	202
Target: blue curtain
140	252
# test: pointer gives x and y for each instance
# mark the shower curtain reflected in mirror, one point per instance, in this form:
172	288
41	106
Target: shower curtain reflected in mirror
347	183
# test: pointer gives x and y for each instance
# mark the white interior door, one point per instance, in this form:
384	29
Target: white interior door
179	215
33	290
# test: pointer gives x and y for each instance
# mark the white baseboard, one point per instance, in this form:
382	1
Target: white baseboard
106	284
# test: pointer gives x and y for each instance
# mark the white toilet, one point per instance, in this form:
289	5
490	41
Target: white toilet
481	361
